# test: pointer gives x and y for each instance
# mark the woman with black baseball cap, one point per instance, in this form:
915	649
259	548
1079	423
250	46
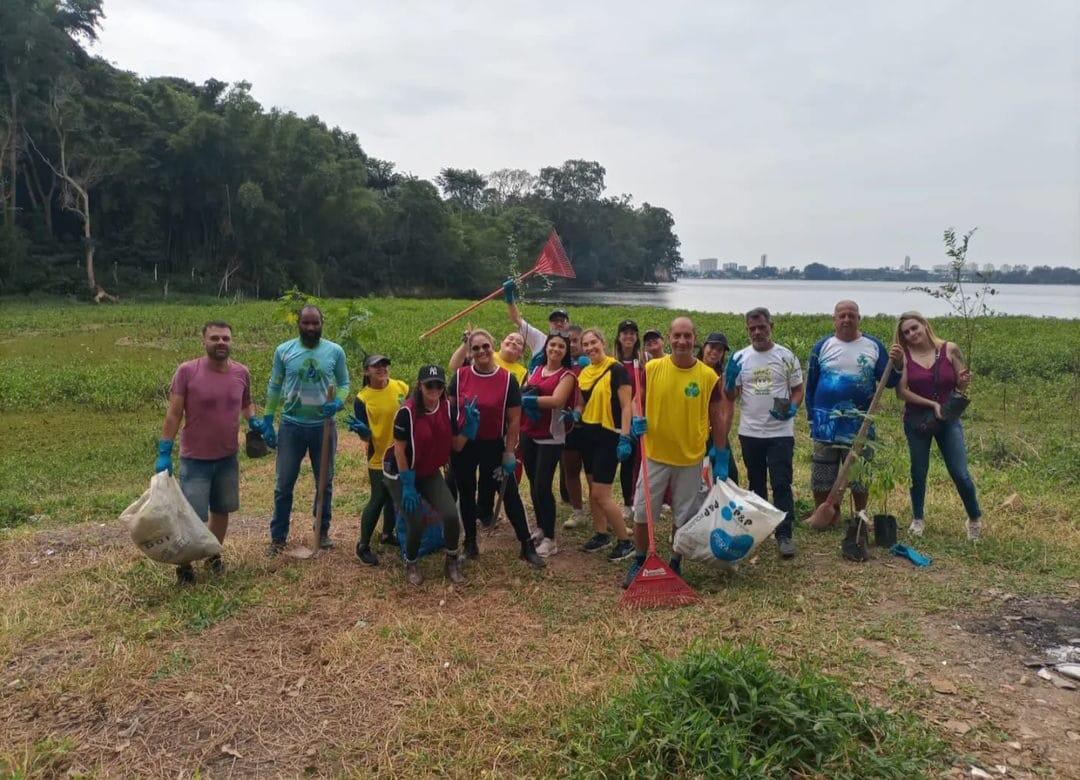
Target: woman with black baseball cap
426	430
627	351
713	353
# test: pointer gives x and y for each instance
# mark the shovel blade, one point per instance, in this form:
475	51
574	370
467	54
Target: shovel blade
301	552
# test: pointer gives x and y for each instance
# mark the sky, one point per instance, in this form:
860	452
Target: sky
848	133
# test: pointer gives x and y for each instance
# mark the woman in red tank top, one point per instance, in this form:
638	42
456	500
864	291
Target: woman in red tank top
487	463
543	432
933	368
627	350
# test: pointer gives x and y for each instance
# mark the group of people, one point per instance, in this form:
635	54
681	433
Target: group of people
452	447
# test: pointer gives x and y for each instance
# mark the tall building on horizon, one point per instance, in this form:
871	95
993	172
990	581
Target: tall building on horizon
907	263
708	264
764	260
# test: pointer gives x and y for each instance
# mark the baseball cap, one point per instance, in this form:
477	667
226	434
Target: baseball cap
652	334
717	338
431	373
556	313
628	325
374	360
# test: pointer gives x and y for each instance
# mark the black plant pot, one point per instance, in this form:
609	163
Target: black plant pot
781	405
884	530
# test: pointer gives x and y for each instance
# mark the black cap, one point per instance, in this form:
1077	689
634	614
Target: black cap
717	338
652	334
556	313
374	360
628	325
431	373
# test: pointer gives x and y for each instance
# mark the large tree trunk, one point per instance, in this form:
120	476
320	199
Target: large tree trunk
96	289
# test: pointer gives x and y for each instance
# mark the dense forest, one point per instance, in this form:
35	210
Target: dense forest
115	184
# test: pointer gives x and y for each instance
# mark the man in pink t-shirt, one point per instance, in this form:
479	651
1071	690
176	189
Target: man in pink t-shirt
208	394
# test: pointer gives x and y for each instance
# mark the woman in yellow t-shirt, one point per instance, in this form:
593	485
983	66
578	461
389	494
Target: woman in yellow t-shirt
603	411
373	420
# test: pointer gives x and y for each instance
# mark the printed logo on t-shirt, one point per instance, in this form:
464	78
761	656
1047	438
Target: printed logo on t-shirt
692	390
761	381
310	369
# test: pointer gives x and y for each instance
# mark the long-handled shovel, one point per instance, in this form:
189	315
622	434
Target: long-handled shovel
303	552
825	516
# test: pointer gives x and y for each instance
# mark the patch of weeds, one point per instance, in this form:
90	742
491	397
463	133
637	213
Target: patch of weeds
49	757
177	662
728	713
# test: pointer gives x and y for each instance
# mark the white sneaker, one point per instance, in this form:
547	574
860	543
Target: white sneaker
547	548
974	530
537	535
577	517
916	528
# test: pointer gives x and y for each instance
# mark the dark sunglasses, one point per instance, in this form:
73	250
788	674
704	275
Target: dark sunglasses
434	385
481	347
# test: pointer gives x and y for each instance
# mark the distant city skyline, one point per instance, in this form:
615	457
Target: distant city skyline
847	135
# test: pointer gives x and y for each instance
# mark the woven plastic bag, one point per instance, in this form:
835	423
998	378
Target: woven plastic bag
727	529
165	527
431	541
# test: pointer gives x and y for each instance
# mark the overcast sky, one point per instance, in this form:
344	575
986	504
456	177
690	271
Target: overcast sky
850	133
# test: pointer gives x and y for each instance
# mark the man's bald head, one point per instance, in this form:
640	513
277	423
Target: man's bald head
681	336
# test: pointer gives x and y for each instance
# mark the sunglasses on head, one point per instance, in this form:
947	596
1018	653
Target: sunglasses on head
435	384
481	347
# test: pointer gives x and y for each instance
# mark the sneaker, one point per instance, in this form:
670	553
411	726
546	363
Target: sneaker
597	542
472	552
185	575
974	530
528	554
635	567
577	517
215	566
917	527
624	548
326	543
452	569
275	549
388	540
547	547
366	556
675	564
413	575
787	547
537	535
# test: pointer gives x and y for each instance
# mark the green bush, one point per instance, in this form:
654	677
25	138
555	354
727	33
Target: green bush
728	713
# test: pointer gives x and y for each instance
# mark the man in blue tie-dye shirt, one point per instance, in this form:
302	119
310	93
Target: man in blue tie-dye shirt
843	371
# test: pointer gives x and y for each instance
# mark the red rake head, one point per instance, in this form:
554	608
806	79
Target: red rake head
553	260
656	585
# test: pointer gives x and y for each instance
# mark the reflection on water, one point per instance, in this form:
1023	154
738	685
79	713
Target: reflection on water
813	297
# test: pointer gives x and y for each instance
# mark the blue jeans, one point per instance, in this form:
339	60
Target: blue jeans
950	439
295	441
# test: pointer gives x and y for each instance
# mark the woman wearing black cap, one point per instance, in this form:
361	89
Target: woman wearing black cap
713	353
543	432
373	421
497	396
426	430
628	350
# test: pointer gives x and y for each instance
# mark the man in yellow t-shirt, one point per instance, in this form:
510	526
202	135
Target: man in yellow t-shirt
682	406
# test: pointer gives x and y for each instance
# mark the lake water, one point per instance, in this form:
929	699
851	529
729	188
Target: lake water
816	297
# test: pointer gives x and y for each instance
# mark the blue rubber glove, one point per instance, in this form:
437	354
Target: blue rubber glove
625	448
164	456
720	460
359	427
583	360
530	405
268	433
509	291
731	372
255	424
913	555
410	496
330	408
638	426
509	464
791	412
570	416
471	426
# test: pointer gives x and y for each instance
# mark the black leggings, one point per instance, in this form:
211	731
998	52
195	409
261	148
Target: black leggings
378	502
541	460
628	471
485	456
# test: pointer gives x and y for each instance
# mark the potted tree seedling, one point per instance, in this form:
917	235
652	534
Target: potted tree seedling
782	405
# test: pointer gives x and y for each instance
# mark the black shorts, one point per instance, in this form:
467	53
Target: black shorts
574	438
598	446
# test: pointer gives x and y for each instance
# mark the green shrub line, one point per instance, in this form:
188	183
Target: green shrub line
728	712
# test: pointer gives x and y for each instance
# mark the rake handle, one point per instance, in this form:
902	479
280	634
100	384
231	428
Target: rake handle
636	400
471	307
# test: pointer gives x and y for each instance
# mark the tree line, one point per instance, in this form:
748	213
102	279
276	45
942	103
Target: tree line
113	183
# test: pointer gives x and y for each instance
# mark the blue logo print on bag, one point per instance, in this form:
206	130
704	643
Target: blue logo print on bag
725	546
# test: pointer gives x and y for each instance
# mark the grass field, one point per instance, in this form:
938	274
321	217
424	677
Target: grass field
814	667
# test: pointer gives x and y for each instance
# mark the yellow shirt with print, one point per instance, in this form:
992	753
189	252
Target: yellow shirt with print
517	370
595	381
382	406
677	411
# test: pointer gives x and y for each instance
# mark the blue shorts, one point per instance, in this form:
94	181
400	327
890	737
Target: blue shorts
211	485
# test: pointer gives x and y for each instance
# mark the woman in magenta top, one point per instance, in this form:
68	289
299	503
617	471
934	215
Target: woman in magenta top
545	396
933	368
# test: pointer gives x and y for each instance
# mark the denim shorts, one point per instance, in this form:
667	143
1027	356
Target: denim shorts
211	485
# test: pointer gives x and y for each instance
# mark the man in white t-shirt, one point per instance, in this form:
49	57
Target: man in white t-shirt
767	381
558	322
